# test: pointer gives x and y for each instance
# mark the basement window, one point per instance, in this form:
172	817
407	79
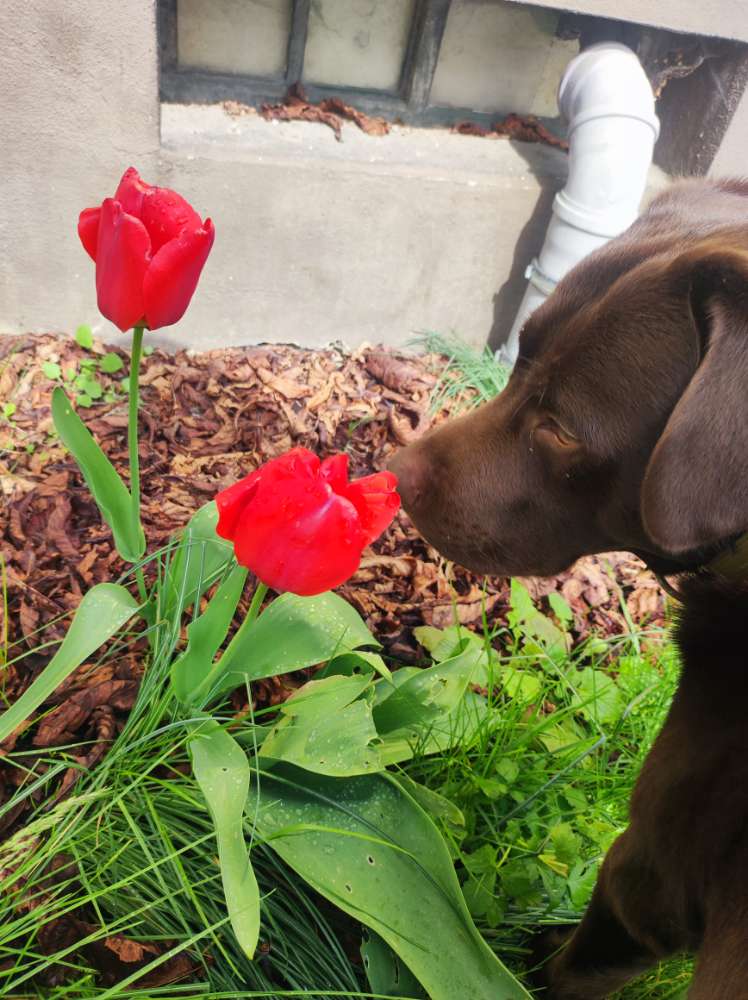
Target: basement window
419	61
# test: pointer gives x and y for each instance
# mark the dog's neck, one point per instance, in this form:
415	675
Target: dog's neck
727	560
732	562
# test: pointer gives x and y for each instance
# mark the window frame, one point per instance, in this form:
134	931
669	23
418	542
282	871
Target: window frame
409	103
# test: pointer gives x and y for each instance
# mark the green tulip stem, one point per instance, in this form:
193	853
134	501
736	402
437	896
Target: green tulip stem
132	442
257	598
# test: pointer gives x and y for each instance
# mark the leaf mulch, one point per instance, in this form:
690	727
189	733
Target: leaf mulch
207	419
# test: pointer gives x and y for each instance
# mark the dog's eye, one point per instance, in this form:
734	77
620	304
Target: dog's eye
555	434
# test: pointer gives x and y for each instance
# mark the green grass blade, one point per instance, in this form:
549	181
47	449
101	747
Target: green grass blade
469	376
101	613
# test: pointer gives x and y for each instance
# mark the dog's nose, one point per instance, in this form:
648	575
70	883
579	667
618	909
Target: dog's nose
412	470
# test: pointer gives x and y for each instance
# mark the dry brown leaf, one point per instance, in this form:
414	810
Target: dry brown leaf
331	112
61	724
128	950
285	386
521	128
393	371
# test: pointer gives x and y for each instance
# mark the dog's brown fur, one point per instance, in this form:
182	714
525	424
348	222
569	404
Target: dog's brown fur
625	425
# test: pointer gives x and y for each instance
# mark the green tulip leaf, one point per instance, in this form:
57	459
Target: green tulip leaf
101	613
456	728
358	662
428	710
433	803
110	493
221	770
427	694
292	633
387	975
190	672
366	845
327	727
200	558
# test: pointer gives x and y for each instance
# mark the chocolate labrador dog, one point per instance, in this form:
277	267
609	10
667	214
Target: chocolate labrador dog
625	426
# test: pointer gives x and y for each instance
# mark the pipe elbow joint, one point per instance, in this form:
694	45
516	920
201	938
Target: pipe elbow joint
606	80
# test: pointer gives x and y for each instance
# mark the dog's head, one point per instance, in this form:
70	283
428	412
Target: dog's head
624	424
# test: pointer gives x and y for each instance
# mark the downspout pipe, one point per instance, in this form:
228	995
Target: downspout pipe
607	100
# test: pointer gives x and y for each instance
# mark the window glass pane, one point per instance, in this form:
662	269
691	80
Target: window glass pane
234	36
500	57
357	43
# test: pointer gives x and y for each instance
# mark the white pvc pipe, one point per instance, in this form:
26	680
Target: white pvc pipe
608	103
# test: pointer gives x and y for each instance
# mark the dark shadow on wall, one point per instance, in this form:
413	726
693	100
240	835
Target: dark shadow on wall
507	299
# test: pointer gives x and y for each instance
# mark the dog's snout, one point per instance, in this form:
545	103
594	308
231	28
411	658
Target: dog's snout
412	470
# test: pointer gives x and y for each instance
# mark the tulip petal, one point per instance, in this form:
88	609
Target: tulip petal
293	466
131	191
122	257
305	547
376	500
173	274
165	214
297	461
88	230
334	470
231	502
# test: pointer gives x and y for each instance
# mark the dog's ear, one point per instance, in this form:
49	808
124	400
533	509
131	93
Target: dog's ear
695	489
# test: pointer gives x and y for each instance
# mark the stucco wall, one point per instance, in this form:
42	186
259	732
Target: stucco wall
78	85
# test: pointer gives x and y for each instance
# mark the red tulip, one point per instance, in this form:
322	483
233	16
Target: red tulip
298	523
149	246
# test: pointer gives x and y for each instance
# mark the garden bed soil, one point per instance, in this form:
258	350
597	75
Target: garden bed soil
206	420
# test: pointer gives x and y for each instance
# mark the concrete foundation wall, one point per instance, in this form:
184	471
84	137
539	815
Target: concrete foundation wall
368	239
